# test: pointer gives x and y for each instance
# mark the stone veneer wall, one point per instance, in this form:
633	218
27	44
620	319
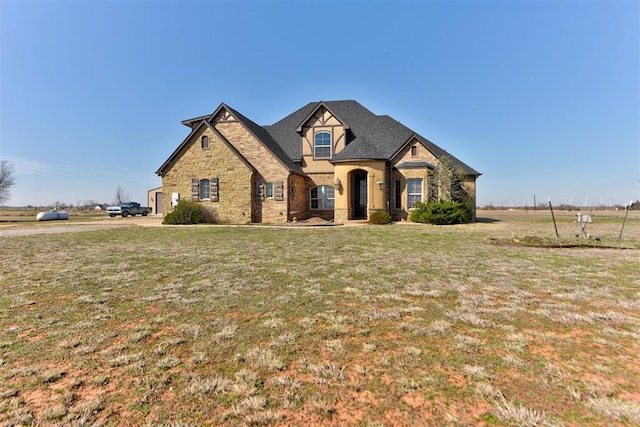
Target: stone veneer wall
268	169
403	174
470	185
234	205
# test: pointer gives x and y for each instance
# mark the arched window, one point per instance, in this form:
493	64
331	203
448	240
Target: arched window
322	145
205	189
322	197
204	142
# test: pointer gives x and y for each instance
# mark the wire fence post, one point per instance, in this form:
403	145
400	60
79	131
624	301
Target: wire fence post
554	219
627	209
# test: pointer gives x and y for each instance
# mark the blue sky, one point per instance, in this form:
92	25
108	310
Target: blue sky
541	97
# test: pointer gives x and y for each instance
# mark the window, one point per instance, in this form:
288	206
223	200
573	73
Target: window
205	189
269	190
414	190
322	197
414	151
398	195
322	145
204	142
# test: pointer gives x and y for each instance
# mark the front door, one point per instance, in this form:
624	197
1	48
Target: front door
360	195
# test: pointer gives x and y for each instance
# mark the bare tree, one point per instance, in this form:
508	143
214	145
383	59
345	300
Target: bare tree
121	196
7	169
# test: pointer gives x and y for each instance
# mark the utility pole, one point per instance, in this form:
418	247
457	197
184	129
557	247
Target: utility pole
534	202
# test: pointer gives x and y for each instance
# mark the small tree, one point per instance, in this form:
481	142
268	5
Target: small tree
448	202
121	196
7	170
447	183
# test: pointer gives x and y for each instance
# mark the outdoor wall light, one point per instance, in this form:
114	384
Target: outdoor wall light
338	184
380	185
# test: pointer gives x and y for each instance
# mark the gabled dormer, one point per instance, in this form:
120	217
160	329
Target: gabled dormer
322	135
414	153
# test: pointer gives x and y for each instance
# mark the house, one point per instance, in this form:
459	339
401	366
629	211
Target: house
331	159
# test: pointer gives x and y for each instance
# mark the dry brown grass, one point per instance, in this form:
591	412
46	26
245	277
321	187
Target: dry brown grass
371	325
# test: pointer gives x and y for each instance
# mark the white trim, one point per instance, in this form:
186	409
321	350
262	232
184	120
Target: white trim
409	193
323	146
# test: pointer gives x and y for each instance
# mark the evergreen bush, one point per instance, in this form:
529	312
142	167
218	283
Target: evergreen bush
444	212
380	217
185	212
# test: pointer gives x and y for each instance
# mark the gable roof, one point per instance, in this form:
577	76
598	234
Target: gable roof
368	136
263	136
162	169
257	131
371	137
317	107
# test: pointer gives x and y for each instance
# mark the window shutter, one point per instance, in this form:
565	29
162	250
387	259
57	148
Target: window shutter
279	190
259	190
195	189
214	190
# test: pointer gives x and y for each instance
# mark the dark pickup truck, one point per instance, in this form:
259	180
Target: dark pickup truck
126	209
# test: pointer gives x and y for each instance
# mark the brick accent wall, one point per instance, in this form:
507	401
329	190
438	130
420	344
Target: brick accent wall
315	180
235	189
298	197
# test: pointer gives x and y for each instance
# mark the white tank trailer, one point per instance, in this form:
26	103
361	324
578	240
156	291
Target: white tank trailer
52	215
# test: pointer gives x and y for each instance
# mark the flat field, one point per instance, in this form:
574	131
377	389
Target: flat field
492	323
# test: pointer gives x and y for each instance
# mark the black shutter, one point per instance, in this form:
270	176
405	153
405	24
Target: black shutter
279	190
195	189
214	190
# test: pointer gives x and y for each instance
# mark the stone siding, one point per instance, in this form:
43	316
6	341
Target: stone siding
268	169
422	154
234	205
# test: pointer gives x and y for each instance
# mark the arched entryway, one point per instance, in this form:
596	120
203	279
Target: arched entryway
358	194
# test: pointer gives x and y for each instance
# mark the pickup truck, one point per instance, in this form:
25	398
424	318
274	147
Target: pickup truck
126	209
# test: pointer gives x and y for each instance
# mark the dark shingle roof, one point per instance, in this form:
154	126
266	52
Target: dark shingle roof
413	165
260	133
284	130
369	136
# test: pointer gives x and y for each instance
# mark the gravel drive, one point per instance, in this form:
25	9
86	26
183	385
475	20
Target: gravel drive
56	227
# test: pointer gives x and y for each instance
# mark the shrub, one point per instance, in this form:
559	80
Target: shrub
209	216
185	212
443	212
380	217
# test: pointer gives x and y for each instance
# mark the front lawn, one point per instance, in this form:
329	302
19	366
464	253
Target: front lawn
369	325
